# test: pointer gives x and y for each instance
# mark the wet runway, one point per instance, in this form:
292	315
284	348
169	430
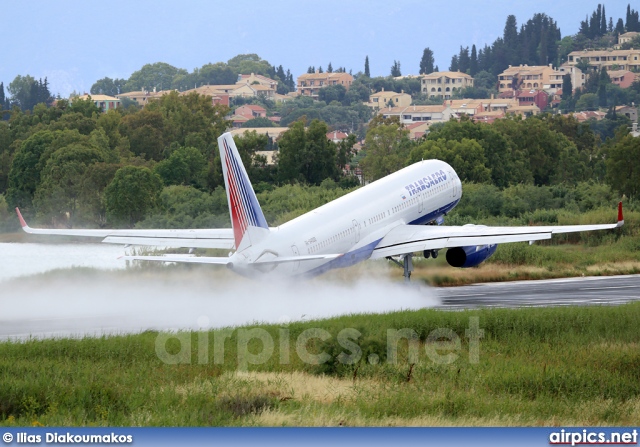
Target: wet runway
142	305
607	290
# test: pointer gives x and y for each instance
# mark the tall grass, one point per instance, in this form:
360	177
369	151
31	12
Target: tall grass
577	365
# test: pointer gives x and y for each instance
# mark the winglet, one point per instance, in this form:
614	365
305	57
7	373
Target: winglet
620	216
22	222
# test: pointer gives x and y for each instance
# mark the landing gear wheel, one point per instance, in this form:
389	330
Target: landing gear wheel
427	254
434	254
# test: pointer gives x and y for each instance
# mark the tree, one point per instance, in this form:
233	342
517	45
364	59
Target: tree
395	69
623	171
587	101
306	155
473	62
329	68
26	92
258	122
619	27
185	166
386	148
367	73
567	87
427	61
454	66
332	93
62	180
132	194
108	86
157	76
28	162
604	81
464	59
465	156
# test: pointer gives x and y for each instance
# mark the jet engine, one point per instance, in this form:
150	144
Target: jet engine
465	257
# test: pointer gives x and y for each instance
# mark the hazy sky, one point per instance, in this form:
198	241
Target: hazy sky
76	42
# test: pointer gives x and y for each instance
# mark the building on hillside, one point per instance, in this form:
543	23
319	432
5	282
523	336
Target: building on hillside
384	99
336	136
629	112
533	97
310	83
251	111
142	97
414	114
525	77
234	90
443	84
103	102
418	130
488	117
627	37
612	59
587	115
578	78
256	79
217	96
271	132
622	78
473	106
525	111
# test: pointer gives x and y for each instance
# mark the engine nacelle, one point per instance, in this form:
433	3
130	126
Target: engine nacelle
465	257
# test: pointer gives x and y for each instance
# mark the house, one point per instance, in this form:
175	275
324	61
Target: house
443	84
142	97
622	78
217	96
525	77
418	130
273	132
525	111
610	58
254	79
587	115
412	114
103	102
310	83
533	97
578	78
384	99
251	111
336	136
629	112
627	37
472	107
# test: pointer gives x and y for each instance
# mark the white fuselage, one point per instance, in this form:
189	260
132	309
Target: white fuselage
354	224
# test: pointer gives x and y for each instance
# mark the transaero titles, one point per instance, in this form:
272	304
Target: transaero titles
426	182
69	438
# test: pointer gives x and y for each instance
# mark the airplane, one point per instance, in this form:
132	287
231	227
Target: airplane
391	218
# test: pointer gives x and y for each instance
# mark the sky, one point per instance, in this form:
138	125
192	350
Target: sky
76	42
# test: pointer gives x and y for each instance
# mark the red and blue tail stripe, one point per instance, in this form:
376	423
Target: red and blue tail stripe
243	203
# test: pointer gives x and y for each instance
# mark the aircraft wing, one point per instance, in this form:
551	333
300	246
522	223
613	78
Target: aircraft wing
211	260
214	238
405	239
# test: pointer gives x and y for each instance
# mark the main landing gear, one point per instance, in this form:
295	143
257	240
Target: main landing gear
406	264
430	254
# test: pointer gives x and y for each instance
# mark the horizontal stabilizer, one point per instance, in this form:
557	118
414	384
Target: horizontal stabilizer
179	258
198	238
223	261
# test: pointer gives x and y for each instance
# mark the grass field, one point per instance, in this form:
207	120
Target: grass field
535	366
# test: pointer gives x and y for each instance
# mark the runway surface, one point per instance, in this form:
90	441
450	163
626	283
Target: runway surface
109	315
597	290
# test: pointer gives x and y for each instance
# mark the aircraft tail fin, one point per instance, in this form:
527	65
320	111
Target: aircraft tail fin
244	208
